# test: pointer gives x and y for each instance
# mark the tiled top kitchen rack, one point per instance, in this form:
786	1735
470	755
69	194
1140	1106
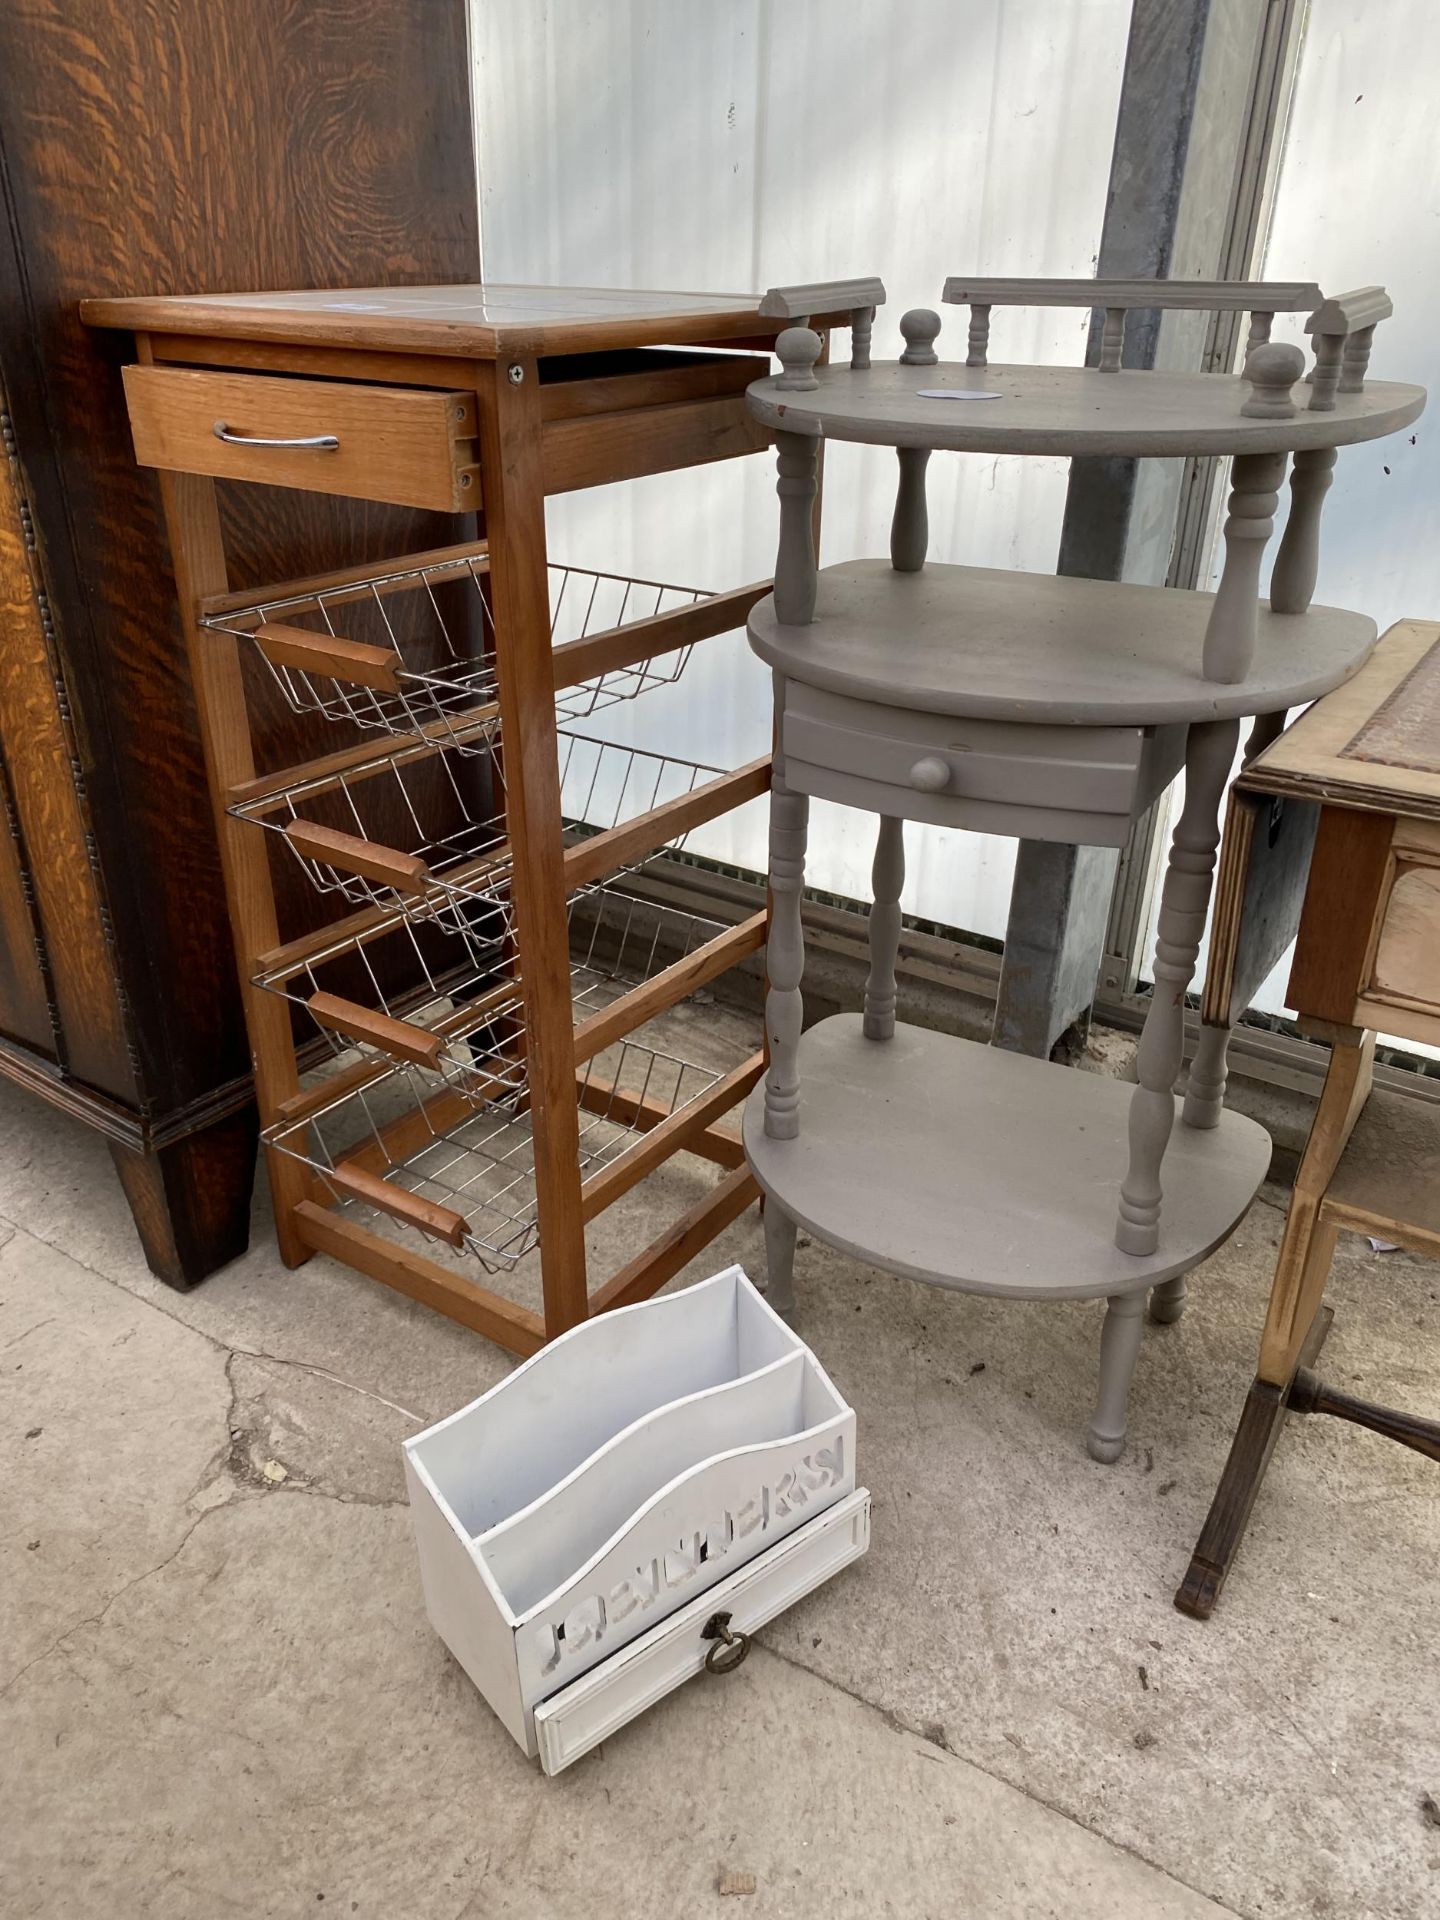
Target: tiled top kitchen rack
436	1054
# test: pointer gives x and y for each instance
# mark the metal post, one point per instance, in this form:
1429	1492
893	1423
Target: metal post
1203	91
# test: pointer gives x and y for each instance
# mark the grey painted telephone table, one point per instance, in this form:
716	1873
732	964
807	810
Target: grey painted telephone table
1046	708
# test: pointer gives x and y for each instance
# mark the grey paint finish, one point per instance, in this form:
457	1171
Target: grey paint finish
1184	900
1066	410
984	1170
1044	650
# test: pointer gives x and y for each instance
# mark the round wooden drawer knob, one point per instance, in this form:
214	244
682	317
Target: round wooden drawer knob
930	775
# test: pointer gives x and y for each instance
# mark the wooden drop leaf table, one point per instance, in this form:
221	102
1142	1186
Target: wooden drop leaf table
1336	826
1048	709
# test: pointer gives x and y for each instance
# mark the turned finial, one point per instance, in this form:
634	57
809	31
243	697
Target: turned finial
920	326
798	349
1272	371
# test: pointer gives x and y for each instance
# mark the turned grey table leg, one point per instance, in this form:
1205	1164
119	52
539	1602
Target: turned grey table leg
910	528
887	879
1167	1301
1119	1346
785	952
1230	634
1184	901
1209	1072
780	1233
1210	1069
1296	564
795	576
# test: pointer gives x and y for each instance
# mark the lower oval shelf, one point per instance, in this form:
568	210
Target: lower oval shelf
971	1167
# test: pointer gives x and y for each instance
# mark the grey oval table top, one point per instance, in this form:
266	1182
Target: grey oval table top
1070	410
985	643
969	1167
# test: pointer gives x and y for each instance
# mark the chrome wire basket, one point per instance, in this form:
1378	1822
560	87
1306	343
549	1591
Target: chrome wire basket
410	649
620	938
413	994
423	831
470	1181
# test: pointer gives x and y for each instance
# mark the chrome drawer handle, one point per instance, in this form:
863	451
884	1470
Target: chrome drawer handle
930	775
316	442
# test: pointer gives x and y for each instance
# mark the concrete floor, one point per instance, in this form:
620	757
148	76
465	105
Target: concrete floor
219	1692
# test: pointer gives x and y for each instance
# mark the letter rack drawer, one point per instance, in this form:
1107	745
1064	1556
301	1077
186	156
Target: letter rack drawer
582	1524
1082	785
407	446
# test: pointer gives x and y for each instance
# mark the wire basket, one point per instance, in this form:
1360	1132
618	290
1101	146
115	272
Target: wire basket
411	649
472	1183
417	995
424	831
619	939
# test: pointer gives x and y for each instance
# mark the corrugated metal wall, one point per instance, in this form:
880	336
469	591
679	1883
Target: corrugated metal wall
1356	203
666	143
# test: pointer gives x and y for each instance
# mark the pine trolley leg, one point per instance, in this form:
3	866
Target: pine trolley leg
510	433
192	521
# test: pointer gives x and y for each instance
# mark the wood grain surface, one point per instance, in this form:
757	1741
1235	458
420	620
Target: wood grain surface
168	145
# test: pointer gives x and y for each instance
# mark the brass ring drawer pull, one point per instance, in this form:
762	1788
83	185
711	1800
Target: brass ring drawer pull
728	1649
315	442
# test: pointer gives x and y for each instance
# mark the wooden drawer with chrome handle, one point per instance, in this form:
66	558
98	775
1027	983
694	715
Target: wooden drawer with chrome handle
407	446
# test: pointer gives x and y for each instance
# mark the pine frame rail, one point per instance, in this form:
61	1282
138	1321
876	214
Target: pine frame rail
612	428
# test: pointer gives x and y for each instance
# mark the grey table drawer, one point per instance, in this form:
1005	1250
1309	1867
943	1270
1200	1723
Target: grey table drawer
1075	784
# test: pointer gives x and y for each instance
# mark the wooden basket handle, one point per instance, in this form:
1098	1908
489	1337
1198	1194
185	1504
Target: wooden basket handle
330	656
406	872
401	1039
441	1223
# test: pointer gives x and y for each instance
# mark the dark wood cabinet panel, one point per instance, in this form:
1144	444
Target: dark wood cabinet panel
175	146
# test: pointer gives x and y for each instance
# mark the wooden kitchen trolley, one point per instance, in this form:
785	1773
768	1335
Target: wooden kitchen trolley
456	1043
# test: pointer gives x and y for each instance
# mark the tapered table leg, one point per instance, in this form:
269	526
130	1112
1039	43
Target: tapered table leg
1229	1515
